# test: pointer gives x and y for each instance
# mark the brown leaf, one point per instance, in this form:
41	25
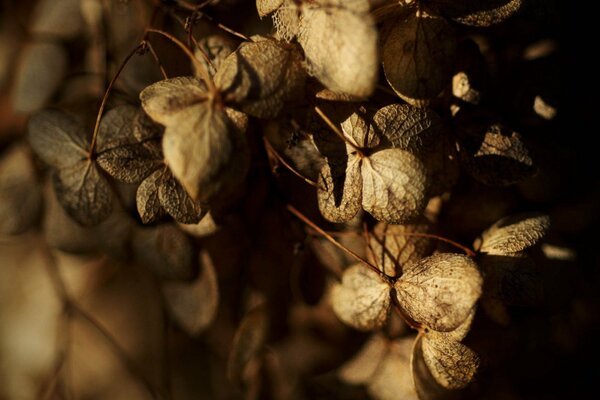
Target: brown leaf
452	364
440	291
362	299
514	234
193	305
247	343
130	163
20	192
395	250
418	55
341	199
148	203
116	128
177	202
393	186
260	77
42	68
166	251
164	100
478	13
57	138
217	48
145	129
339	39
84	192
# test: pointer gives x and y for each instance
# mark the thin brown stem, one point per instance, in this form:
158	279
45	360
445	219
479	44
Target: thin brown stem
107	94
467	251
337	130
234	33
271	150
200	67
158	62
327	236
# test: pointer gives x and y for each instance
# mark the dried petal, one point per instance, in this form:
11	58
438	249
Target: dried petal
248	342
166	251
396	250
177	202
194	305
147	201
217	48
513	234
418	56
266	7
394	378
393	187
260	77
478	13
286	20
57	138
163	100
20	193
339	39
130	163
440	291
341	198
362	300
452	364
84	192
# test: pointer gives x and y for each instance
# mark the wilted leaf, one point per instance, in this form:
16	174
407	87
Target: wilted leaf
394	379
20	193
393	185
248	342
452	364
418	55
440	291
164	100
514	234
342	195
477	13
362	299
42	68
260	77
193	305
84	192
130	163
362	368
57	138
339	39
396	250
166	251
177	202
147	201
496	155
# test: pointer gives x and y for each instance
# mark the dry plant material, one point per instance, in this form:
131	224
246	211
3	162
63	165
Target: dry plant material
61	142
193	305
480	13
20	192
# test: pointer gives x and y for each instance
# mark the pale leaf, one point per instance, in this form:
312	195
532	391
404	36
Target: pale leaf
163	100
362	299
440	291
266	7
193	305
340	43
393	186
